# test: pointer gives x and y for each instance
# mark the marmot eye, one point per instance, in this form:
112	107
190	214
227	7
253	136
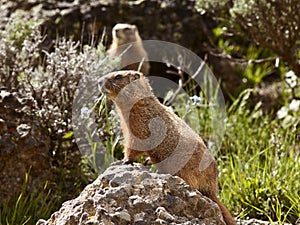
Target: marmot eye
118	77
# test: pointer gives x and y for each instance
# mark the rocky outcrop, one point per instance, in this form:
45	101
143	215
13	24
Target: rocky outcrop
126	194
24	147
173	21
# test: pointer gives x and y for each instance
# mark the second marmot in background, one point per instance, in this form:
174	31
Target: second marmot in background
127	43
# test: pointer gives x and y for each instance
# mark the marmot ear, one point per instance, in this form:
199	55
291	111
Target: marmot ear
136	76
134	27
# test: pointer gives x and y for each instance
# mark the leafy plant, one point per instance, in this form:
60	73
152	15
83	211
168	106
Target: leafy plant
266	23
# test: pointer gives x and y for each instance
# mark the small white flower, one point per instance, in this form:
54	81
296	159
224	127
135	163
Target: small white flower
282	112
196	99
294	105
85	111
291	79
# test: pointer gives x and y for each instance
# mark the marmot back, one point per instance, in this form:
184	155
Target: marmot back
151	128
131	55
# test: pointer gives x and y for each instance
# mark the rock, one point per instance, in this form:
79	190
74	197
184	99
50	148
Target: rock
130	194
24	147
258	222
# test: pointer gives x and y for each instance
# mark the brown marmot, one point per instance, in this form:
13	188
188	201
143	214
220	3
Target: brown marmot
127	43
150	127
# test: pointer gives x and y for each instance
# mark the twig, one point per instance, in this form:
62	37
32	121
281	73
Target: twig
141	64
181	86
194	75
244	61
175	93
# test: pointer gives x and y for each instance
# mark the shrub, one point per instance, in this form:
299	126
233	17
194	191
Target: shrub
273	25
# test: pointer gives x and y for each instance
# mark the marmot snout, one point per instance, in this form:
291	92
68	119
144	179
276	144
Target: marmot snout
124	33
116	81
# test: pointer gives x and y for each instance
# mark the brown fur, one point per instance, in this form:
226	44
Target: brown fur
179	150
124	34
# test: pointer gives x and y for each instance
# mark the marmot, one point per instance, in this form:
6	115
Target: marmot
127	43
150	127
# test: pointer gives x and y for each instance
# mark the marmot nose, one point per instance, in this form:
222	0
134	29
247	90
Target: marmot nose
101	83
118	33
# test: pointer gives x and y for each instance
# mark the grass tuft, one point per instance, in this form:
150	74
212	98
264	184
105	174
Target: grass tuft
27	208
258	176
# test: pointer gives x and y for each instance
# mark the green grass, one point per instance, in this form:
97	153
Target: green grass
260	164
259	160
27	208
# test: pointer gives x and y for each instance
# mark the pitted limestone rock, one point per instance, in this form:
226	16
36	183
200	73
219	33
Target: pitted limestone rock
126	194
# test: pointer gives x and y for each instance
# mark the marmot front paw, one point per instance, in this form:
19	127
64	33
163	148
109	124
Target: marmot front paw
128	161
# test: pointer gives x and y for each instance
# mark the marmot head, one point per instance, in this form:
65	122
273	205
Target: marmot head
112	83
124	33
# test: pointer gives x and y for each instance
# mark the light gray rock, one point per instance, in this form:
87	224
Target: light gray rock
130	194
258	222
